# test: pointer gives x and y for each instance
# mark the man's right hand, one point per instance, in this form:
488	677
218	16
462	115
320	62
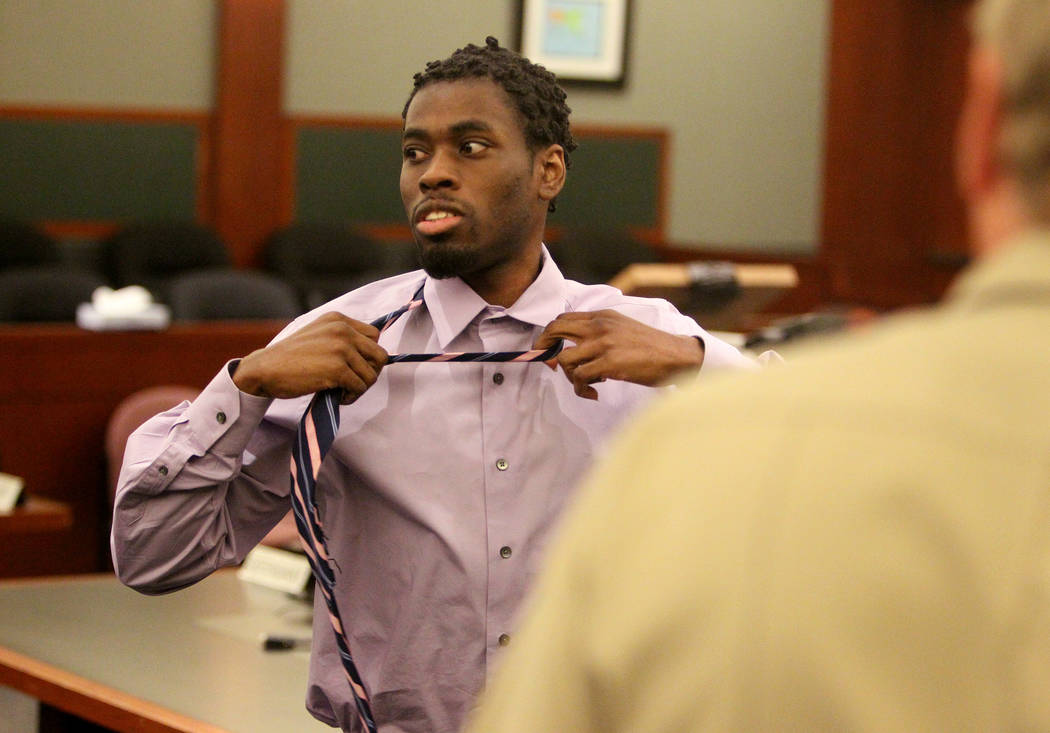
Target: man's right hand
331	352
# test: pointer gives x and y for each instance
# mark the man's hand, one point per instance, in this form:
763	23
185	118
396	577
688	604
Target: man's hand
609	345
332	352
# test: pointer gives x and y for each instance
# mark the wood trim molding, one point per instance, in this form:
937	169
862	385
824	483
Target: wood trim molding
90	700
129	114
349	121
246	158
96	230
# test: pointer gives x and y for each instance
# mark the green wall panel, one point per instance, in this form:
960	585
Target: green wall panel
350	174
97	170
613	182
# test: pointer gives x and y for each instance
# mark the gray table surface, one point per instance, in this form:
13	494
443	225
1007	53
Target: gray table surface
196	652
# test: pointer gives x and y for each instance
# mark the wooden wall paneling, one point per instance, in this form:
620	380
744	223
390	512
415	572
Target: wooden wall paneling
246	159
895	87
58	387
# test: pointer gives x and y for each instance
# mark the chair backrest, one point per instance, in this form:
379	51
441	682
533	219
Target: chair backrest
305	250
150	254
323	261
226	294
130	413
23	245
140	406
44	293
596	255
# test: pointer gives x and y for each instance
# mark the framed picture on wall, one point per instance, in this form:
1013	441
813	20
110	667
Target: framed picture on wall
578	40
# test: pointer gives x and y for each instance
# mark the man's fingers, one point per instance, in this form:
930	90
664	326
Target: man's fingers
585	390
571	326
545	340
591	372
372	352
575	316
363	368
353	386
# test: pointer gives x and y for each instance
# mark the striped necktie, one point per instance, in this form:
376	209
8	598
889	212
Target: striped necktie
317	430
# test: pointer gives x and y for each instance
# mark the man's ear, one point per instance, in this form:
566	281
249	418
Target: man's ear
978	167
550	165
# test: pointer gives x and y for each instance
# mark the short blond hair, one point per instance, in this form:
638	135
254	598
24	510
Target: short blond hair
1018	31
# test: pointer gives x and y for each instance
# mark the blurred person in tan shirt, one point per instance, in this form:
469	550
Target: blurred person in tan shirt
868	546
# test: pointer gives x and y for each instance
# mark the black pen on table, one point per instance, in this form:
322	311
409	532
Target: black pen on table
283	643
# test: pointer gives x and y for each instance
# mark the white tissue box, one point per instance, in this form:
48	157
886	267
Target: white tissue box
155	317
127	309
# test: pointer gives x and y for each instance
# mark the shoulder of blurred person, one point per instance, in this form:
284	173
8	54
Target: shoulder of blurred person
866	545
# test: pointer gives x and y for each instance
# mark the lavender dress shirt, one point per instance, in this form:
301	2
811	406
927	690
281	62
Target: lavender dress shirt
438	497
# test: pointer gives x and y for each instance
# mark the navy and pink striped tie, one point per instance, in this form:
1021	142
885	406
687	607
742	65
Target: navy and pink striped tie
316	433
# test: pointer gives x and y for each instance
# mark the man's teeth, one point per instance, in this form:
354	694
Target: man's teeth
436	215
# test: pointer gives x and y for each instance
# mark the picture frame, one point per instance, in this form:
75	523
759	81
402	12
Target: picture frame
579	41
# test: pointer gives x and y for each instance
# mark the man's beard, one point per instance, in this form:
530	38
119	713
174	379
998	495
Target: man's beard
446	261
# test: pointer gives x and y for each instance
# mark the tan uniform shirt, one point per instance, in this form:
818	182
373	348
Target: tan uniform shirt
864	547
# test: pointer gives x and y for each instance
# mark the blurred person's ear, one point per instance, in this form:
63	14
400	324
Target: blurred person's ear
977	164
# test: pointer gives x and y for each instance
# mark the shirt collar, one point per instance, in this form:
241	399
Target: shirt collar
1020	270
452	303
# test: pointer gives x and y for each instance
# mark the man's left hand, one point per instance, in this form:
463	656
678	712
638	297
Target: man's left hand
609	345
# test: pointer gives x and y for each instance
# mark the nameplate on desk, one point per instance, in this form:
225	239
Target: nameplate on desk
10	491
288	572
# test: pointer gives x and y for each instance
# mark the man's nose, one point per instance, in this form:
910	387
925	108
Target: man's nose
440	172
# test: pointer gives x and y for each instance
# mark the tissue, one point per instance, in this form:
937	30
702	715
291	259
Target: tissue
130	308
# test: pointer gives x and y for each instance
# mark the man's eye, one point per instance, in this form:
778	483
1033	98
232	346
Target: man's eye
472	147
412	154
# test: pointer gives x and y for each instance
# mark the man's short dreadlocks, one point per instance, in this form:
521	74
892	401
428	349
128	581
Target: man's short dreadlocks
535	91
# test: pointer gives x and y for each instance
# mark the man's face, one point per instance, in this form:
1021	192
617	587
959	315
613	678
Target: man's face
469	182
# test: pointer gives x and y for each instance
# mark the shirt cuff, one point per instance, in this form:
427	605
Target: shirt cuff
720	355
223	411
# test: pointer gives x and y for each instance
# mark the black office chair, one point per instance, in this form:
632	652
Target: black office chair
151	253
323	261
44	293
23	245
597	255
226	294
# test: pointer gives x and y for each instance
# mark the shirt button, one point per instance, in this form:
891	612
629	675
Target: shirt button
505	552
497	378
504	639
163	470
220	417
502	464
